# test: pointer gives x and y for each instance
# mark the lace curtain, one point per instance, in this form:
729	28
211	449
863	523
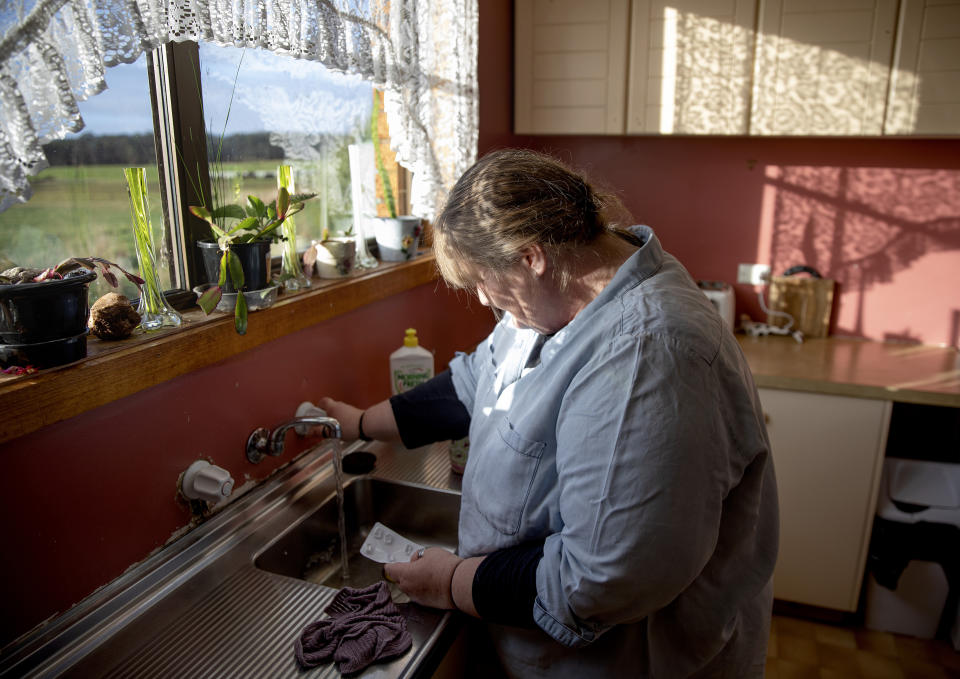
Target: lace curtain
422	53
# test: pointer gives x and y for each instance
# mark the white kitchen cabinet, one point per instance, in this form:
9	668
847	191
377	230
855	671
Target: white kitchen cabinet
690	66
570	66
757	67
828	453
822	67
925	79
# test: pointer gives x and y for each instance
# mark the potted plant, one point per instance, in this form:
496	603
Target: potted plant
44	312
239	259
398	237
333	256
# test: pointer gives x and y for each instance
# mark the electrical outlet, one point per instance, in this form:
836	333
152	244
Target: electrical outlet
753	274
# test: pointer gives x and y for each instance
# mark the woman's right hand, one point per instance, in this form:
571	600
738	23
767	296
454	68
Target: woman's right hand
347	415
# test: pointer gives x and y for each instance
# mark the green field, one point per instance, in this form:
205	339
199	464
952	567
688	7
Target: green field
85	211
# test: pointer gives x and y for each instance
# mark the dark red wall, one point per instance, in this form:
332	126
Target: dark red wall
879	216
86	498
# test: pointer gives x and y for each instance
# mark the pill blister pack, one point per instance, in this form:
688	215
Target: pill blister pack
387	546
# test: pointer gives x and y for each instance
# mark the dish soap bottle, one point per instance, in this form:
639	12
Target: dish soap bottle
410	365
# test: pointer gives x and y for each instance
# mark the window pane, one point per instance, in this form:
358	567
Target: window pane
284	111
79	206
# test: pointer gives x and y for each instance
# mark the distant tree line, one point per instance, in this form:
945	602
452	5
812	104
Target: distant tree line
138	149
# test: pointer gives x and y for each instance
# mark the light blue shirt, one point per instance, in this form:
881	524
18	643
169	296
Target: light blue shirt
633	442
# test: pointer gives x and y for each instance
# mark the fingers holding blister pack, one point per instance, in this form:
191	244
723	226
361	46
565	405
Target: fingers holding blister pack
384	545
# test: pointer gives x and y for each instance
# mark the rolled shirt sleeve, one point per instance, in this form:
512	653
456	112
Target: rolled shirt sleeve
639	501
465	374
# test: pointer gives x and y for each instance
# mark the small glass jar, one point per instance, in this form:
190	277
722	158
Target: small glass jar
459	452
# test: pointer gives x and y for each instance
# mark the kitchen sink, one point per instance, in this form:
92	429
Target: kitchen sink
310	549
230	597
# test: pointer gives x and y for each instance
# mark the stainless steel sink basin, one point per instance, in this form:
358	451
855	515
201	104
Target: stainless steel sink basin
229	598
310	549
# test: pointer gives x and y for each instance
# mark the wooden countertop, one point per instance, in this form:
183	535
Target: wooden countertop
850	367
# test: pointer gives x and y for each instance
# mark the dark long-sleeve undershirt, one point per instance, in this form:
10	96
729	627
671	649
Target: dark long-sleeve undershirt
430	412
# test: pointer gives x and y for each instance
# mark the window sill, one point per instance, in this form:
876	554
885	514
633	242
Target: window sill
114	370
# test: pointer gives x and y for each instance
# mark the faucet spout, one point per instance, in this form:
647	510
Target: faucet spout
330	425
261	442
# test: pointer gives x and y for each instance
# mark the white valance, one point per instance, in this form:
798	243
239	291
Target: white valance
422	53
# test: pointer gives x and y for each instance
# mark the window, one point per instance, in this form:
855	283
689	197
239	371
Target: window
79	205
279	110
273	110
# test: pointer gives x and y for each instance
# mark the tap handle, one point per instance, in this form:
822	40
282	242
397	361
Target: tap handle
205	481
307	409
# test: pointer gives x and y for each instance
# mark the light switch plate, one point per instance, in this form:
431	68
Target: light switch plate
753	274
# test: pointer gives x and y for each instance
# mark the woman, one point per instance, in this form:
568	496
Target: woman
619	512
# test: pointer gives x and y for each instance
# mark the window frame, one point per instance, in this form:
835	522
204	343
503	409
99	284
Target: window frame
175	81
174	71
119	369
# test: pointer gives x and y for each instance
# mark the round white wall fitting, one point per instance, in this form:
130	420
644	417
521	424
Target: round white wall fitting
205	481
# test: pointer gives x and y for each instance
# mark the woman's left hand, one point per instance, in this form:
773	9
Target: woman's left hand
426	579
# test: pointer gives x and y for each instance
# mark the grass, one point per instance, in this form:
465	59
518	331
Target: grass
81	211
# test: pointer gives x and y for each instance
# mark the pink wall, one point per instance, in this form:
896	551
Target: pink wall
86	498
880	216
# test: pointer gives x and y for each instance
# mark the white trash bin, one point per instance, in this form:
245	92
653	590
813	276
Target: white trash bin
914	491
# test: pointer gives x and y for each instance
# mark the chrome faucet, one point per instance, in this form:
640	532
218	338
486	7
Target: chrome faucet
262	442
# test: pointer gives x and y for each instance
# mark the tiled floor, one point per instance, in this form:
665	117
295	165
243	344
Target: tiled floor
801	648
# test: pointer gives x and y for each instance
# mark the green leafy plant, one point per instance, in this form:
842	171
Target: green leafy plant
232	223
66	269
378	158
216	200
256	221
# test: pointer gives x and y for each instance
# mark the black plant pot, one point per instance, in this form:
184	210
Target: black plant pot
44	354
254	259
31	313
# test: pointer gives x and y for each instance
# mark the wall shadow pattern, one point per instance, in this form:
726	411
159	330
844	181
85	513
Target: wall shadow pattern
862	226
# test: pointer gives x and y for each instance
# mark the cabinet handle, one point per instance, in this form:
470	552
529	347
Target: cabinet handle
766	418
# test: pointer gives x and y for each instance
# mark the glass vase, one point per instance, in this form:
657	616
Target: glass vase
363	199
154	311
291	273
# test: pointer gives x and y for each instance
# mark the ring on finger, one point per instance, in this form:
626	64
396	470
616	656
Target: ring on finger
420	552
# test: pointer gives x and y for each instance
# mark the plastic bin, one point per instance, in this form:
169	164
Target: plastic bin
914	561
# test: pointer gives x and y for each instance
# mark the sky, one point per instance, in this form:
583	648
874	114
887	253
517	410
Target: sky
273	93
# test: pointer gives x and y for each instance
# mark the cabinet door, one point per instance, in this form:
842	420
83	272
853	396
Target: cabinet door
570	66
690	66
828	454
925	80
822	66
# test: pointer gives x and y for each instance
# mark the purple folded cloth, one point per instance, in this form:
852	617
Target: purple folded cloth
364	627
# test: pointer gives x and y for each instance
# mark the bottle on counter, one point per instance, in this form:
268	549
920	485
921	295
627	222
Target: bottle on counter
410	365
459	452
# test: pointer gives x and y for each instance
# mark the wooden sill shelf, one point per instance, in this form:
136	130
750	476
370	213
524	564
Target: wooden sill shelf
114	370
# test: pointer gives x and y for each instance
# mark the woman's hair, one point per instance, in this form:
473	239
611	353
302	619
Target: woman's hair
512	199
